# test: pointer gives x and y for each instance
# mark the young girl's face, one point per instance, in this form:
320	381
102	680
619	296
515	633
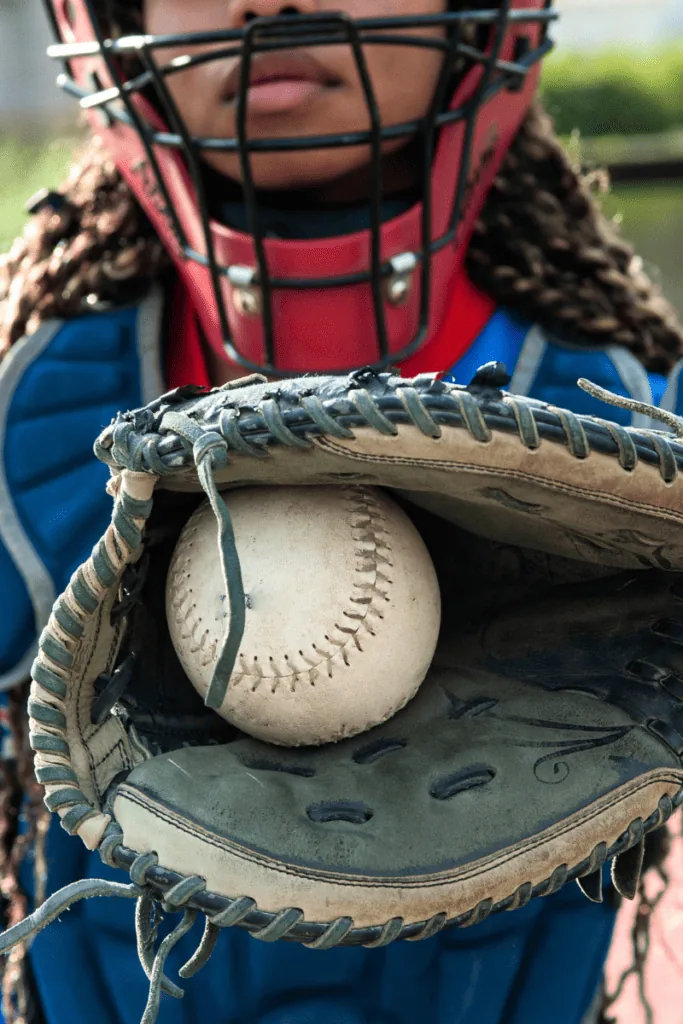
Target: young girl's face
303	91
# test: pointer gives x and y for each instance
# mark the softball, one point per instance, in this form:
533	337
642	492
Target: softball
343	610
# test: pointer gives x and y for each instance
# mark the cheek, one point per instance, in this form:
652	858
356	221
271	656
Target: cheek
404	80
156	16
189	88
169	16
192	98
188	91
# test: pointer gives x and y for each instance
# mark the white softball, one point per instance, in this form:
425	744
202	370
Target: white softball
342	618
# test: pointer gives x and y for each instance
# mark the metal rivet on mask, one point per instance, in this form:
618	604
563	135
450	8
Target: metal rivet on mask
401	279
246	295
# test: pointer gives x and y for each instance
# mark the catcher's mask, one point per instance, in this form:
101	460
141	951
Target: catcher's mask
368	298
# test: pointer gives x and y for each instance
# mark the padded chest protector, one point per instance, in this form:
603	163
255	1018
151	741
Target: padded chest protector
65	381
547	368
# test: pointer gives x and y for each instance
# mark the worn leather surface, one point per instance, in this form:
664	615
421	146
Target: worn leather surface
547	736
569	486
532	736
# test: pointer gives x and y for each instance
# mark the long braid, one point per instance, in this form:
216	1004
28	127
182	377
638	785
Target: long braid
96	246
543	247
20	794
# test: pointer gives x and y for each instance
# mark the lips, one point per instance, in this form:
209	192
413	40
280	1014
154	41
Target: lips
279	82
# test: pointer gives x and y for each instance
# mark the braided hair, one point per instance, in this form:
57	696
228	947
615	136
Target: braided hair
541	246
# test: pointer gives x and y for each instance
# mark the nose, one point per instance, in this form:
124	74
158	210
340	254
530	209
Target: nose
244	11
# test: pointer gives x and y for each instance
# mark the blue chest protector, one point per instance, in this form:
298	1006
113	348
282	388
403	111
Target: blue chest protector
538	965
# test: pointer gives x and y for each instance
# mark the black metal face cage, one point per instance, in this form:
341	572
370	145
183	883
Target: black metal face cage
289	31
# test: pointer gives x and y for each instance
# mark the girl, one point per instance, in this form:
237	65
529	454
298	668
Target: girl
282	186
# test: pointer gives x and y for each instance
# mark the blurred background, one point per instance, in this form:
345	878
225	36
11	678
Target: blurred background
614	85
615	88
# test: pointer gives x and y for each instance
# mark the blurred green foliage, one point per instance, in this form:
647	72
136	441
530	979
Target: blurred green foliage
613	93
651	218
25	168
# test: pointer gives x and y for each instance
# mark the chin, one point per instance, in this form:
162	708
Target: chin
294	171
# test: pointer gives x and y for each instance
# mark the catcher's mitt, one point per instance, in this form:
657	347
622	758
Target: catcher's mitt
546	739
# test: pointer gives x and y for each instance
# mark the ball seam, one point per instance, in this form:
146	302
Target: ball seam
373	556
